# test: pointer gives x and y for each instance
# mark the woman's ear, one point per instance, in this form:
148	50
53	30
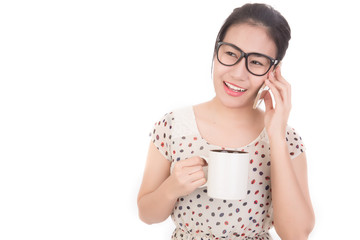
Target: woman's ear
277	65
272	70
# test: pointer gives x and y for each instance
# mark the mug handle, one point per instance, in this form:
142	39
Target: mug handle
205	169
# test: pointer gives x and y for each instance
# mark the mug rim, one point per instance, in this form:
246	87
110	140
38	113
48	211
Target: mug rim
228	151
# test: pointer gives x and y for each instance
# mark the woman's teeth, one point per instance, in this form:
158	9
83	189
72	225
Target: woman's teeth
234	88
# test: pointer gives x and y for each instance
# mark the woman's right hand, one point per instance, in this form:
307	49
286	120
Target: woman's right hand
186	176
160	189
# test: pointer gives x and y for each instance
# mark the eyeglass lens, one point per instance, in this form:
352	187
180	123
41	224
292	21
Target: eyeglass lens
256	63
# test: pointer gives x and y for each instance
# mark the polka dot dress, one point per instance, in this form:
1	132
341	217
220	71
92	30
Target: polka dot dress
200	217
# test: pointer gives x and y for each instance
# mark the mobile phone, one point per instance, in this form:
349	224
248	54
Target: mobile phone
259	98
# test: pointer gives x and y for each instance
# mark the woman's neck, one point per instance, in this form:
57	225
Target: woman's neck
245	116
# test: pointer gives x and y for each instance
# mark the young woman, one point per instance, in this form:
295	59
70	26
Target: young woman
248	50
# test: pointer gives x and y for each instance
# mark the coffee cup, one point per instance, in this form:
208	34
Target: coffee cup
227	174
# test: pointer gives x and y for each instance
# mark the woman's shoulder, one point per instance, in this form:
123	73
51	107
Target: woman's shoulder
295	142
292	133
178	114
180	121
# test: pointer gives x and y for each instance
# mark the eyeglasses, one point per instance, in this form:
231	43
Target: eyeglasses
256	63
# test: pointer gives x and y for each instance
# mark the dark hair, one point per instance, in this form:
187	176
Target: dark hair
260	15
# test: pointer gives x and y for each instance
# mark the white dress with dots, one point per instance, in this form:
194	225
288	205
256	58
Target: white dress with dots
200	217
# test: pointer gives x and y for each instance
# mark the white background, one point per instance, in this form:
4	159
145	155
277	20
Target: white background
83	82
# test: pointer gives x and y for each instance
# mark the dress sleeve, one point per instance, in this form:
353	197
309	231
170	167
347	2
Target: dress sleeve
161	135
295	143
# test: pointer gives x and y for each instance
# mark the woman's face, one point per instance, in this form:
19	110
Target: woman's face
228	79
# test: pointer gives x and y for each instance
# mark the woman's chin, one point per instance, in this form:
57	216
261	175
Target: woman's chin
234	103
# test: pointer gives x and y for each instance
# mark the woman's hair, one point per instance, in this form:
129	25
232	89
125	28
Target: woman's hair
260	15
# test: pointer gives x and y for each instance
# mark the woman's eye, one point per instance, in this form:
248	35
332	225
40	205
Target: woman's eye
231	54
256	63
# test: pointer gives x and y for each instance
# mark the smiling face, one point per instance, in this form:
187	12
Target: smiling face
235	86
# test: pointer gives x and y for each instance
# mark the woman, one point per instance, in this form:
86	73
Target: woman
248	49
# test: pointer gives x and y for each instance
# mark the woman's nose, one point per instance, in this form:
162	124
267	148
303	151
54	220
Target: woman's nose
239	70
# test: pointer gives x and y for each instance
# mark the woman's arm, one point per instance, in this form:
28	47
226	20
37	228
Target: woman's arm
293	213
154	203
159	190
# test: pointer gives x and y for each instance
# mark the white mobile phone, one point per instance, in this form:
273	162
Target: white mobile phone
259	98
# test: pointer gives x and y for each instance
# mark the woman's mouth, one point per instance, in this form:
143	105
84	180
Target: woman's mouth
233	90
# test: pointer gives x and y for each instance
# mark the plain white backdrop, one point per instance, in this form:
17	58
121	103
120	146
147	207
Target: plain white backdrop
83	82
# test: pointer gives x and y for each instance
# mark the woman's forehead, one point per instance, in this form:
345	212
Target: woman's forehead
251	38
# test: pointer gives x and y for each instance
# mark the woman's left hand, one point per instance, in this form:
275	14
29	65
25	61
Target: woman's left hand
276	117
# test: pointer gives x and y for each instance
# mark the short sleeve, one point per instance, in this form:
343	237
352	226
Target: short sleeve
161	135
295	143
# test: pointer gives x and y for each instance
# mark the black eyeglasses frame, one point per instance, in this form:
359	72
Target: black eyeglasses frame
273	62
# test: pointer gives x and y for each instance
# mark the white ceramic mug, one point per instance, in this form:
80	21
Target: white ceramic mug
227	174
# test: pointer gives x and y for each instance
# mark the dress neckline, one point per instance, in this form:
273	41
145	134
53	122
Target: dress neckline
262	136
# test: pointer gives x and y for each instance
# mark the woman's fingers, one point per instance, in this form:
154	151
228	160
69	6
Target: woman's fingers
268	101
196	176
283	81
194	161
199	182
275	91
283	89
192	170
280	86
278	75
